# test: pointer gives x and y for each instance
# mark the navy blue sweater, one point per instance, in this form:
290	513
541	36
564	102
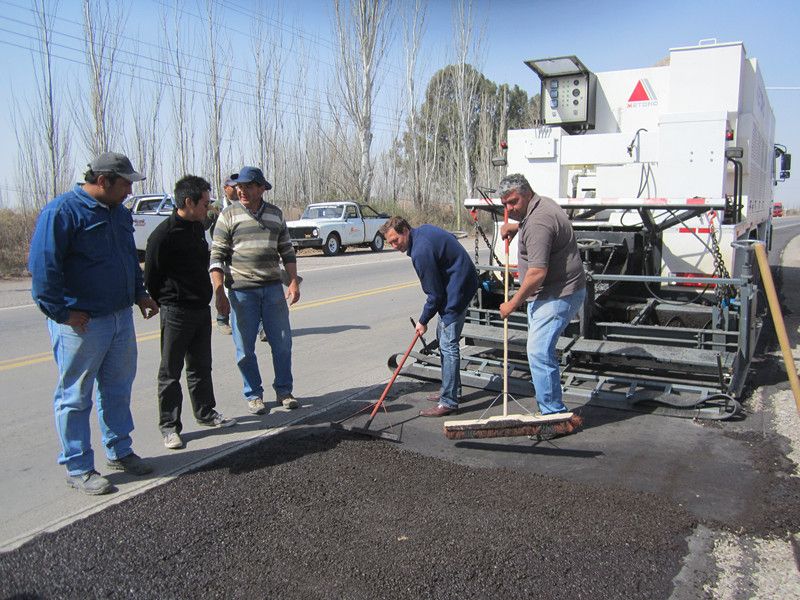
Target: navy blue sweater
445	271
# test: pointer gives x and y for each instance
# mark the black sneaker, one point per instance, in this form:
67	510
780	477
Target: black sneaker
131	464
91	483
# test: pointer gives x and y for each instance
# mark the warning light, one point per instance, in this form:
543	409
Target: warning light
729	135
503	144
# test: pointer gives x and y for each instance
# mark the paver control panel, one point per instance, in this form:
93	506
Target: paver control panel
568	92
566	99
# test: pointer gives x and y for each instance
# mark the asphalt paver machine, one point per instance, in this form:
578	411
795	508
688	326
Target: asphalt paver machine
667	174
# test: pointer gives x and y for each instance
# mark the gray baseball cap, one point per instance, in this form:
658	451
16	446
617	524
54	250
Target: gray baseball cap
116	164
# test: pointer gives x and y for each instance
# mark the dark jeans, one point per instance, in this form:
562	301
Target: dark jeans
185	336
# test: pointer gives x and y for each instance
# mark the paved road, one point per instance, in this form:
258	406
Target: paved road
354	310
732	479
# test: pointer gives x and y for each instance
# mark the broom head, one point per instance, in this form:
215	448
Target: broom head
513	426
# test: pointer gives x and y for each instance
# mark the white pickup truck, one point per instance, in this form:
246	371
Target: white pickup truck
333	226
148	211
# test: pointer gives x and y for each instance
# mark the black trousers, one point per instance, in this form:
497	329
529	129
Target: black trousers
185	336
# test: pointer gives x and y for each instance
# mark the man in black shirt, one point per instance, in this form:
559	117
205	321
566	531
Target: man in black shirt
176	275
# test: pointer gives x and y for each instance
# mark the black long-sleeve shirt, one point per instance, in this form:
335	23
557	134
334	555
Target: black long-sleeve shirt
176	264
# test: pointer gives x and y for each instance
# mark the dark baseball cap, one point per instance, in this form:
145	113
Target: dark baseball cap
248	174
231	181
116	164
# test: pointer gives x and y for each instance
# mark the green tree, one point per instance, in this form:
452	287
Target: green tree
492	109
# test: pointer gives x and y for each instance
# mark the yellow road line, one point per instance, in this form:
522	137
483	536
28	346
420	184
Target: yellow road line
354	295
33	359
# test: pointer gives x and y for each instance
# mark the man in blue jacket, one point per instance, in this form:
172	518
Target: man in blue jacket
85	278
450	281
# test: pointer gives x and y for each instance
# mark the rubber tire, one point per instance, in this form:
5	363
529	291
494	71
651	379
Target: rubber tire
332	245
377	243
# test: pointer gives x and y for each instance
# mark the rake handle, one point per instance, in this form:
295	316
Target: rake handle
394	376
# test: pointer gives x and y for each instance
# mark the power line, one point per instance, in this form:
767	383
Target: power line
202	59
387	121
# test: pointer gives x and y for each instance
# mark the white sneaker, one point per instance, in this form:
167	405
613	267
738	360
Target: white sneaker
256	406
173	441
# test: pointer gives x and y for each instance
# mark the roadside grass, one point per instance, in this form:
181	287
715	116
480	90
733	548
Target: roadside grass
16	229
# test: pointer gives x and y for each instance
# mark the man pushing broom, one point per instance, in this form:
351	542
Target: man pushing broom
551	277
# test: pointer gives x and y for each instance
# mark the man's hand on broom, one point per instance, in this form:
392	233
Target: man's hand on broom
506	308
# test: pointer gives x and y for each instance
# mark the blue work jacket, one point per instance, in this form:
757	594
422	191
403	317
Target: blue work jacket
445	272
83	257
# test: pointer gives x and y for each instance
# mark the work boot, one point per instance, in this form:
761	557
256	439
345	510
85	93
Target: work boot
287	401
437	411
91	483
131	464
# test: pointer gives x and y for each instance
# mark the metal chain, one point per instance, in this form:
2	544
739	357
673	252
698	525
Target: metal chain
722	292
477	229
488	244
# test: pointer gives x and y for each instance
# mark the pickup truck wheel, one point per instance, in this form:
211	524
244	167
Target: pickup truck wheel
332	245
377	243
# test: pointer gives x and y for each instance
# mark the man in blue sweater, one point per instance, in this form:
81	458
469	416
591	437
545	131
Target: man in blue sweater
450	281
85	279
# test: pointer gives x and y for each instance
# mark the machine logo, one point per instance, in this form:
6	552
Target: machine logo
643	94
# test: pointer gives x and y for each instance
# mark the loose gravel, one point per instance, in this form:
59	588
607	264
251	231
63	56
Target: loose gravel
318	514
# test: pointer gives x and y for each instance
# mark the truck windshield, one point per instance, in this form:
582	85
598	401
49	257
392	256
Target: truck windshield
323	212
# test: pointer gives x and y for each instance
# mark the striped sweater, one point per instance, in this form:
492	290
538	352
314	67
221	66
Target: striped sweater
247	250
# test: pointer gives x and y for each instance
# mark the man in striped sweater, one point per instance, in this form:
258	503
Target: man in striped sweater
251	240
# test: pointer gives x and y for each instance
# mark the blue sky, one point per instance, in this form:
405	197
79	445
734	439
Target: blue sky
605	35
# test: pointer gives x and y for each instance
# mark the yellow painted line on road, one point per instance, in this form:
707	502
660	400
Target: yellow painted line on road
354	295
33	359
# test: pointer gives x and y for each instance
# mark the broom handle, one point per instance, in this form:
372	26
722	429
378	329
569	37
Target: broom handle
394	376
505	326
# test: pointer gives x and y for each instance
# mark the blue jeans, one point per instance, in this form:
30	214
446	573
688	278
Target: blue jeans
449	337
547	319
105	353
249	308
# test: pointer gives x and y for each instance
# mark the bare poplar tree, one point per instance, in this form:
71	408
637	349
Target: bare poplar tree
413	28
269	56
361	30
148	143
103	23
177	76
44	166
465	84
219	77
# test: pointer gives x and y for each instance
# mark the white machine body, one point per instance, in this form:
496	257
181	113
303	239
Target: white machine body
659	136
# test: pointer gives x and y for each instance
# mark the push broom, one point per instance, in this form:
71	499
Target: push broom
507	425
